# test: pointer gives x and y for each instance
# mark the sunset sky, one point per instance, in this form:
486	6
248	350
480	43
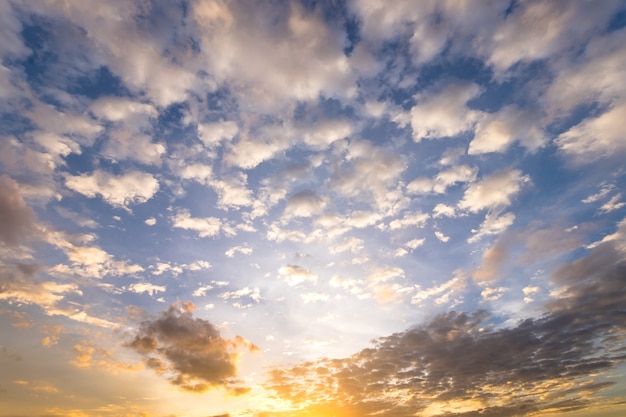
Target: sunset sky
338	208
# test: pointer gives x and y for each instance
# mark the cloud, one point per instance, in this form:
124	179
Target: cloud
146	287
494	191
17	220
369	174
613	204
494	224
441	236
498	131
306	203
211	134
524	38
593	77
595	138
17	283
444	113
204	226
296	275
188	351
133	187
416	219
240	42
459	363
443	180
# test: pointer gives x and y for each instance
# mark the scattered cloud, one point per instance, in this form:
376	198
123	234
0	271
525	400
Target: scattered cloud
188	351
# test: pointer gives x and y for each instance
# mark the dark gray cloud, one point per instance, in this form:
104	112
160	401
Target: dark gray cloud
190	351
469	366
17	220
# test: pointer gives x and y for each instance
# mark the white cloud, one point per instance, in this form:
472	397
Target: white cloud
126	144
232	191
494	191
613	204
442	237
351	244
370	174
444	210
538	30
150	221
415	243
595	138
444	290
133	187
244	250
202	290
204	226
118	109
146	287
416	219
240	42
211	134
604	191
492	293
296	275
596	76
497	132
494	224
444	113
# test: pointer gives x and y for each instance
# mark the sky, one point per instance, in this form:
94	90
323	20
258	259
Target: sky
337	208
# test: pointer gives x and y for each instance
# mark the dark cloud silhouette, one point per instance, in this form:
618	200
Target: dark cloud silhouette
190	351
466	365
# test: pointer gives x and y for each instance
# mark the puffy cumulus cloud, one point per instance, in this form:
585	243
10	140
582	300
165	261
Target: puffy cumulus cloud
444	210
146	287
594	76
240	43
190	352
204	226
125	144
497	132
370	174
324	132
51	119
460	364
525	36
306	203
146	62
295	275
494	224
443	180
351	244
494	191
232	191
211	134
119	109
244	250
444	112
595	137
133	187
17	220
